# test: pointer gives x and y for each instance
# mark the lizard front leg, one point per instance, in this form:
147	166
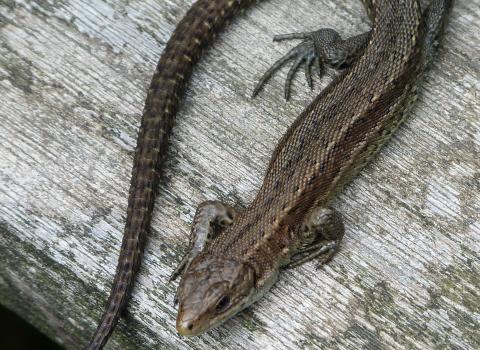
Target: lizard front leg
321	234
211	218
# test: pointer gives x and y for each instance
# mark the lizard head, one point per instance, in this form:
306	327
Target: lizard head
212	290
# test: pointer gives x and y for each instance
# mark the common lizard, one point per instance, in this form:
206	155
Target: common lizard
235	255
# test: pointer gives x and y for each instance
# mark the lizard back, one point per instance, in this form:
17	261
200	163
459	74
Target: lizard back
332	139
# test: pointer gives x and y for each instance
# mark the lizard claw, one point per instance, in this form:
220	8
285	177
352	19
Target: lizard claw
308	70
318	48
302	53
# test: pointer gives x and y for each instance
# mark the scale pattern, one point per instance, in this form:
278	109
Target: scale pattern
332	139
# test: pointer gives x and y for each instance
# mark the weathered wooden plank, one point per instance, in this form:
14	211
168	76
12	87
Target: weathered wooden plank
73	77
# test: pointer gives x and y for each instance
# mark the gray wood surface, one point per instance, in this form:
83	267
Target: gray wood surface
73	78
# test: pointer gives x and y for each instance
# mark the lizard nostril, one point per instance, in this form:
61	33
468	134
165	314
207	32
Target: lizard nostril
185	327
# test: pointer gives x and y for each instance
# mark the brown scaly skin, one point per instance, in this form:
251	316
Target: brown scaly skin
197	28
289	222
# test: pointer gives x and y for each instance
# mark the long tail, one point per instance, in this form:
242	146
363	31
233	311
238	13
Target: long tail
197	28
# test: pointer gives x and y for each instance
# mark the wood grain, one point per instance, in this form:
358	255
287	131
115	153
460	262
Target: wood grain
73	78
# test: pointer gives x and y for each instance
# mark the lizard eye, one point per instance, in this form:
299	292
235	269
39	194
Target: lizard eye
223	303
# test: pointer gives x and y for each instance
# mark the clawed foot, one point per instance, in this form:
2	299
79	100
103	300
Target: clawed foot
302	53
210	220
323	251
320	237
318	48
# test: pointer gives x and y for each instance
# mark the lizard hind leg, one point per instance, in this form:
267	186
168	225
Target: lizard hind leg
321	232
210	219
323	47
